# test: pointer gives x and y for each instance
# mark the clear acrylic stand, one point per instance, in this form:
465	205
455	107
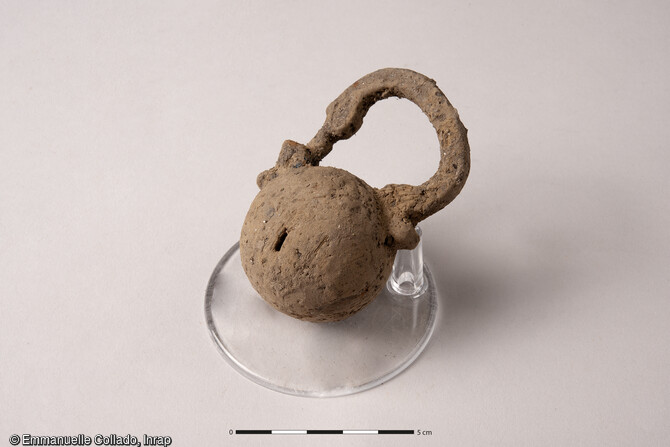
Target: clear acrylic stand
322	359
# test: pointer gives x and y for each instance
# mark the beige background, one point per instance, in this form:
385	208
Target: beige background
130	137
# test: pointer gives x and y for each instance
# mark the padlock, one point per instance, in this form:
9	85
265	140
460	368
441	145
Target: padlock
318	243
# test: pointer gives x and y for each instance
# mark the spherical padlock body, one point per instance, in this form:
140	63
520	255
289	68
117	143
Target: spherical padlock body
313	243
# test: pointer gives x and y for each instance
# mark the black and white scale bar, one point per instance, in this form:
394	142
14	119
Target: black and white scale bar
324	432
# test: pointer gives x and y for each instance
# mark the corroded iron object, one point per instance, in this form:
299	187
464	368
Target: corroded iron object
318	243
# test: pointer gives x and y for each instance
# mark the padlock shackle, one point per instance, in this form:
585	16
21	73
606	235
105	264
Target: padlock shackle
406	205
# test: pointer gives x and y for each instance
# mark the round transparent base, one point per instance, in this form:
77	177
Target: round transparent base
316	359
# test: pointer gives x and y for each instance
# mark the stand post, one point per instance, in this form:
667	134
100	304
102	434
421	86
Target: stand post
407	278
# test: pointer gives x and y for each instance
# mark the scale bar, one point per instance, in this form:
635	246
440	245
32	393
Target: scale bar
324	432
396	432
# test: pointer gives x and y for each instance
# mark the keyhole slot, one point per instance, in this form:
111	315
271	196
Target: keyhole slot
280	239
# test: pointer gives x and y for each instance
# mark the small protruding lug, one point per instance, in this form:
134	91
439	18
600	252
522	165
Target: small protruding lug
402	235
292	155
266	176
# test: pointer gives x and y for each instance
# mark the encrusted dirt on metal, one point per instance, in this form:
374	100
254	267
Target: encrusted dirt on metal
318	243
